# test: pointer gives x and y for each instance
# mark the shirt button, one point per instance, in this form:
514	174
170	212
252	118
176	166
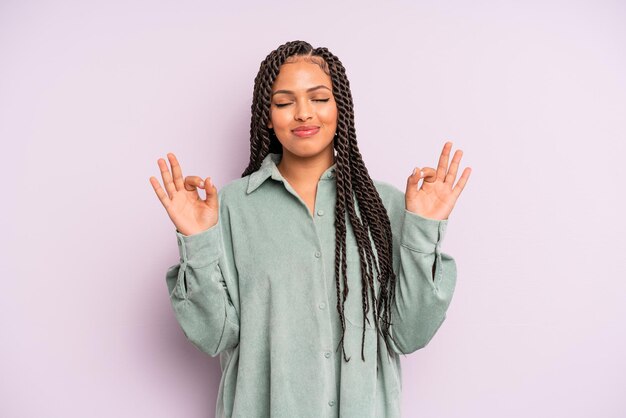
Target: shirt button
317	254
331	403
320	212
322	305
327	354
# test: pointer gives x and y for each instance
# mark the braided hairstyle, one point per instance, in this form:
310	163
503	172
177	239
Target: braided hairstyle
352	180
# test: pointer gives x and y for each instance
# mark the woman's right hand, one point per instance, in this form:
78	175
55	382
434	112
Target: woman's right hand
189	213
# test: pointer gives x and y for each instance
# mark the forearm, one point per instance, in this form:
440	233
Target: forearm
425	283
199	294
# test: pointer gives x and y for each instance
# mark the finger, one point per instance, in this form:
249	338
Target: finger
442	167
192	183
423	173
160	192
167	178
460	185
454	166
177	171
429	174
209	188
415	177
412	182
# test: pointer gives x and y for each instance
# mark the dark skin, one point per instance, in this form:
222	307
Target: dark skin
302	96
305	158
436	197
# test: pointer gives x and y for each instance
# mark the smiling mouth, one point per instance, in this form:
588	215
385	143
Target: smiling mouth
306	132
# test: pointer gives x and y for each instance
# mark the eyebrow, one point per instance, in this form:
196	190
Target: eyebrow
308	90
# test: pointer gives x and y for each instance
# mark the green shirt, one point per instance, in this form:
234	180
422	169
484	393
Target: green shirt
258	288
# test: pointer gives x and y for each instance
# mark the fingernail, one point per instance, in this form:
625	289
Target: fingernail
414	170
201	184
421	173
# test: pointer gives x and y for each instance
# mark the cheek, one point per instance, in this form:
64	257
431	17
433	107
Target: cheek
280	120
329	116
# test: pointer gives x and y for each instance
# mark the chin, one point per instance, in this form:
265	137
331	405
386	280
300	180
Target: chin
305	150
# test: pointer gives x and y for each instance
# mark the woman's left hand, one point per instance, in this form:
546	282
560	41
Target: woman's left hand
436	197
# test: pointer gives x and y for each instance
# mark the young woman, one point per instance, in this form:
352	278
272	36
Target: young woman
264	260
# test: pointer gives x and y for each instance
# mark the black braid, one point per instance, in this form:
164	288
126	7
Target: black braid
352	179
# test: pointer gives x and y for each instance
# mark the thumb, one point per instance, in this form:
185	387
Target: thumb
211	191
414	178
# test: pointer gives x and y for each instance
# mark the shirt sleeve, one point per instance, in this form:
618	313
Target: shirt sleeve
425	279
203	288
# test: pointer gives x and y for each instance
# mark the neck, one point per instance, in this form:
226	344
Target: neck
305	170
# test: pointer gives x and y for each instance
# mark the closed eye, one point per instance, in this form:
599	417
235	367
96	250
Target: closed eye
287	104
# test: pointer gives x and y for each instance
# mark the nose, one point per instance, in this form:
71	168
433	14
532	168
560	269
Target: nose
303	110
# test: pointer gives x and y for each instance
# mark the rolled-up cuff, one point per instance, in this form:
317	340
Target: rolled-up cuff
200	249
422	234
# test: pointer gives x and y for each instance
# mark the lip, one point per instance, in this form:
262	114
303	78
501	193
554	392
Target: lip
304	131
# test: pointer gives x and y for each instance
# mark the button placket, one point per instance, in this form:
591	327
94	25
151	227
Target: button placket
326	351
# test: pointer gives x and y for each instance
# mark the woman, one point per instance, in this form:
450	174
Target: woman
263	260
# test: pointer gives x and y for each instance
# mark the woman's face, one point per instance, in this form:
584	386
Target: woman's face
302	97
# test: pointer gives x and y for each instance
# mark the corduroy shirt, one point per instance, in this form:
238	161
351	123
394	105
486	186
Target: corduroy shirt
258	289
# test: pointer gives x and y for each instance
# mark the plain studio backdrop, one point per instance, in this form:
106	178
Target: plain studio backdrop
534	93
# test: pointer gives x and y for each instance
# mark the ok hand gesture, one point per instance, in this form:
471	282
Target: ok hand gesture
189	213
436	197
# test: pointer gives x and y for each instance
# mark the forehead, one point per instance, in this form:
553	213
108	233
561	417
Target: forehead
301	74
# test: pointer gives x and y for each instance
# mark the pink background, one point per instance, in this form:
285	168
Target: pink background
93	93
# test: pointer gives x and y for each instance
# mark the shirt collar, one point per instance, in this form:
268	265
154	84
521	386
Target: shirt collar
268	169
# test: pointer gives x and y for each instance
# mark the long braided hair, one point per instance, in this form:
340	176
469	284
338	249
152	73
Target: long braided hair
352	180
